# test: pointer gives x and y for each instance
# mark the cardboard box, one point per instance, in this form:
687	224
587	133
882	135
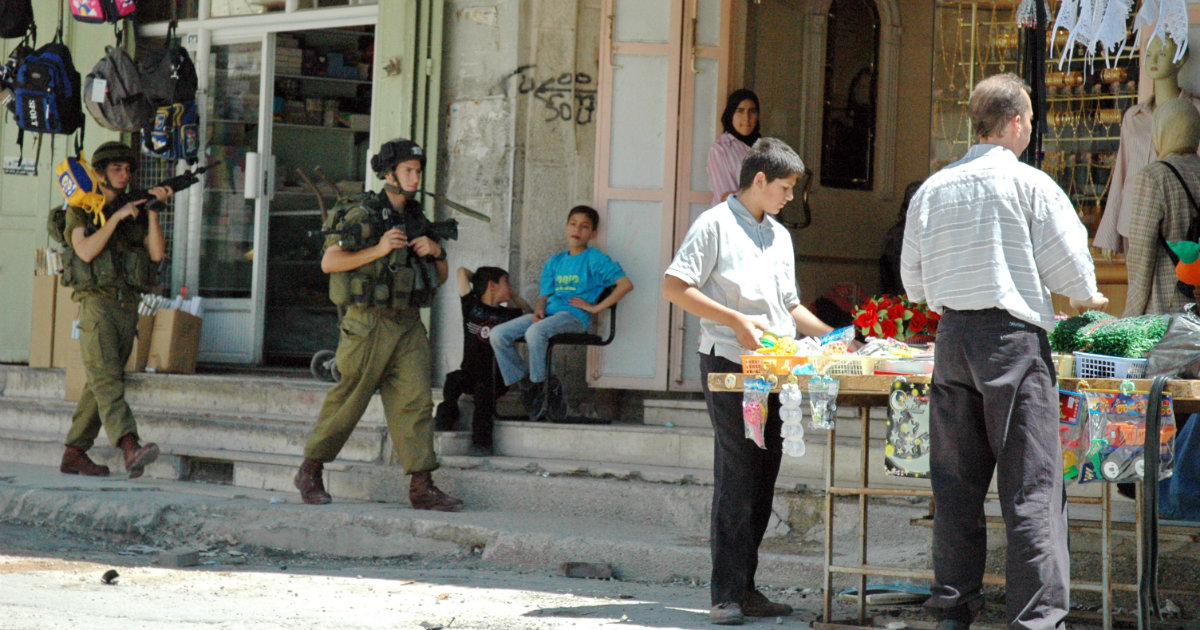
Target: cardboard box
174	343
41	332
65	313
141	344
76	376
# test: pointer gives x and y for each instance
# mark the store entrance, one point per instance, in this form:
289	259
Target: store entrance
321	106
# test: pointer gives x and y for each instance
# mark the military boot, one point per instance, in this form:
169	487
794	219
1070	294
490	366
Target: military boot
423	495
311	483
137	457
76	462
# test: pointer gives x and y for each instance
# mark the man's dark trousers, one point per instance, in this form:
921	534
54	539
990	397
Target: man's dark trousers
485	386
743	486
994	406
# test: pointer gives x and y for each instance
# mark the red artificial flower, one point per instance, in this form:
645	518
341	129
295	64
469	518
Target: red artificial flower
867	317
896	310
918	322
888	328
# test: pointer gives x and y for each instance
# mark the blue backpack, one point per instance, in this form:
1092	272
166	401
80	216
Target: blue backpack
46	92
174	133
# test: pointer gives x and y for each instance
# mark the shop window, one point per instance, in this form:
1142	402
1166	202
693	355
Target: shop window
851	76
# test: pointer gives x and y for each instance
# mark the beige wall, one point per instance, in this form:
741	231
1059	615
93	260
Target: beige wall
24	200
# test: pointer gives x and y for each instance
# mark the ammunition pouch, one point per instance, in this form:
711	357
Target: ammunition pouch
122	270
76	274
140	270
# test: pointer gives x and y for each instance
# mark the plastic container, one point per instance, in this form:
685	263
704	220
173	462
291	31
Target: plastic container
903	366
1088	365
843	365
770	364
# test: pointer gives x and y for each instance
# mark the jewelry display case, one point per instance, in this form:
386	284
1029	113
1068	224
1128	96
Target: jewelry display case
974	39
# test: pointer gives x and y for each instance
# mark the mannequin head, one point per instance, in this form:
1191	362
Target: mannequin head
1160	55
1176	127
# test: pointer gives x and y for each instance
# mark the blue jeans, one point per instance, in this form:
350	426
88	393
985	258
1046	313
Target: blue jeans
537	336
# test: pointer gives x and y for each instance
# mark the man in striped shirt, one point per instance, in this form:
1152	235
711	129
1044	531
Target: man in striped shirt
987	239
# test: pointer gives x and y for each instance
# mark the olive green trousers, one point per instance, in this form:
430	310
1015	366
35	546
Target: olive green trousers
106	331
385	351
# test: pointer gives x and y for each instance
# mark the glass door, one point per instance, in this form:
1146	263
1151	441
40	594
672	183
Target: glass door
320	125
229	233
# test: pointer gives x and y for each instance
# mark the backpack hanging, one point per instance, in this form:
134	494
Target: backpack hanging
113	93
47	91
174	134
168	72
16	16
8	71
98	11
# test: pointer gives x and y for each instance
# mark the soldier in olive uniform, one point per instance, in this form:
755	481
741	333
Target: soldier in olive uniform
382	277
109	259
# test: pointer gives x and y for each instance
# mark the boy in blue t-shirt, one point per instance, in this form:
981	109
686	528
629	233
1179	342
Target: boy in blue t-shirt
571	283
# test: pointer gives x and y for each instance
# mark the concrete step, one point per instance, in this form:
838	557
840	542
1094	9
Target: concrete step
679	413
569	489
150	511
215	393
184	430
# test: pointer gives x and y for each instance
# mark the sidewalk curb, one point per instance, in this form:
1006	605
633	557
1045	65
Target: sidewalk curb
175	513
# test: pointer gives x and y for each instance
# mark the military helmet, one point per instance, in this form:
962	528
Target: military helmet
394	152
113	152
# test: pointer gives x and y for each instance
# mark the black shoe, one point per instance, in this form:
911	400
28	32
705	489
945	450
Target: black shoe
534	398
446	416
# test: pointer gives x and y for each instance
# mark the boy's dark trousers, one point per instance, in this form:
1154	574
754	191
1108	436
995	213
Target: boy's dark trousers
743	486
485	387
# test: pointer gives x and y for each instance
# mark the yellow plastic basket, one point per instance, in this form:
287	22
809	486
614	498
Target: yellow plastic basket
770	364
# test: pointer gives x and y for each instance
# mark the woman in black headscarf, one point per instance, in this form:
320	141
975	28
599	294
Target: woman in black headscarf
740	121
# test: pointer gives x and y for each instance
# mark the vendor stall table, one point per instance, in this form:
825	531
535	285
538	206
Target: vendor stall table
870	391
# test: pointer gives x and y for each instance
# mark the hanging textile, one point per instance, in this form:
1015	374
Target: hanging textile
1098	25
1169	19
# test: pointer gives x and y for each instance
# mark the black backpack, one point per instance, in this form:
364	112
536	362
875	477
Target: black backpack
168	73
114	95
8	73
16	16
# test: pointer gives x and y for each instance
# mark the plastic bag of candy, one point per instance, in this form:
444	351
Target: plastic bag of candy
755	392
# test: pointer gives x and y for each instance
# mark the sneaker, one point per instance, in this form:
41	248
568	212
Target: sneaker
755	604
727	614
446	416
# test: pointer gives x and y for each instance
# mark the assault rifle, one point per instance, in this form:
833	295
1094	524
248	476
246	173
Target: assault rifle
367	233
177	183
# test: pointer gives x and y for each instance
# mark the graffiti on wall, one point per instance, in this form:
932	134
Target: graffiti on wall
566	96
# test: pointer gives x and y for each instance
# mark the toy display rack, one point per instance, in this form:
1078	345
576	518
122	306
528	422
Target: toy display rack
866	392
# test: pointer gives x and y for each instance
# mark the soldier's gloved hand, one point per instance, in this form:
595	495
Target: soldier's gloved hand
392	239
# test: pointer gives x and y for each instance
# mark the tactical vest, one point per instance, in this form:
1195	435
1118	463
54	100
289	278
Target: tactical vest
123	265
399	280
